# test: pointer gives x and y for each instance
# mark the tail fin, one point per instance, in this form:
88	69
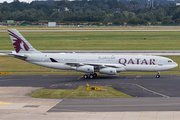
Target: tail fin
21	45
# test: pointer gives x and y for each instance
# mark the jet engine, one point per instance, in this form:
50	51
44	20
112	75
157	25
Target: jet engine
86	69
109	71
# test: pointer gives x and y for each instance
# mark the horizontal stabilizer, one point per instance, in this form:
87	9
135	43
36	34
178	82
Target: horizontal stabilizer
23	57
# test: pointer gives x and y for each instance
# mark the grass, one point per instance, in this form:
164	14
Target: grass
10	64
80	92
98	40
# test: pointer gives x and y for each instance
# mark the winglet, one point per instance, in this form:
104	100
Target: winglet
53	60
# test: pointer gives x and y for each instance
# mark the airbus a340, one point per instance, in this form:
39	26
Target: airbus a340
87	63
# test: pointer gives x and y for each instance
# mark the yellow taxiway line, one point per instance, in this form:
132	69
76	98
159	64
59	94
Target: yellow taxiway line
4	103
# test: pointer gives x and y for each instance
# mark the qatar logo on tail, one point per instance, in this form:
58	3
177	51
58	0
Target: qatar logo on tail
18	43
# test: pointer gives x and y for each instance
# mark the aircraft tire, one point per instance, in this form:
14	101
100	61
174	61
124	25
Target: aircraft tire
157	76
94	75
85	76
91	76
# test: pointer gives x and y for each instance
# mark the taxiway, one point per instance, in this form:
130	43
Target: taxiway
154	98
150	93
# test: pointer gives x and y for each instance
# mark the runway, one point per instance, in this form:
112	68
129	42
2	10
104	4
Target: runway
150	93
115	52
87	30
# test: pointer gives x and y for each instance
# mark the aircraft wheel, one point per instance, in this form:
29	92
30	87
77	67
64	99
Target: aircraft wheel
94	75
157	76
91	76
85	76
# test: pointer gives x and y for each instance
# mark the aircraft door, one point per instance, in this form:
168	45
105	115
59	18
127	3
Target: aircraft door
160	62
44	58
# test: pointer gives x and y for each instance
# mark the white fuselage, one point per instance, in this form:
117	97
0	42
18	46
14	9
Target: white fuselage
71	61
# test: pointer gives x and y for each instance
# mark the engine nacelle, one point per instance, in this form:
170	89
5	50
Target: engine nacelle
86	69
109	71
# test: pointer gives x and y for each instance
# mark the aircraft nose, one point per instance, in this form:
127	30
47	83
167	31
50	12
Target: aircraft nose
175	64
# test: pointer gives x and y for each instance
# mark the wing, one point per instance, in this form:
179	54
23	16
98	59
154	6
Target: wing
99	65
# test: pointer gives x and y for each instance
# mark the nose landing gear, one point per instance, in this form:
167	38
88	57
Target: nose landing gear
158	74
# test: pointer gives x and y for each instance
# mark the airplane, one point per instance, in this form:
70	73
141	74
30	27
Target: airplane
87	63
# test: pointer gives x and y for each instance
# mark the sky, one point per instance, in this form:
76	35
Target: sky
28	1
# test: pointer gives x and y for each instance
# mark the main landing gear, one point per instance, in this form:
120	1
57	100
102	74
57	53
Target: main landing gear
90	75
158	74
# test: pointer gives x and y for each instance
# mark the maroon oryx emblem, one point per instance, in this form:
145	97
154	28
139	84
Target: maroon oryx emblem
18	43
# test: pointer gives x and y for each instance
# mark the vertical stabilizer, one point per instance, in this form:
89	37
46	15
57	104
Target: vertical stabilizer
21	45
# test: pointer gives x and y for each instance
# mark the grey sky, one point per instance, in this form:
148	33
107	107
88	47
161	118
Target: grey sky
28	1
1	1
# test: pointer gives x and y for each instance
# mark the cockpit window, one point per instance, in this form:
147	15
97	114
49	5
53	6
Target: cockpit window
169	60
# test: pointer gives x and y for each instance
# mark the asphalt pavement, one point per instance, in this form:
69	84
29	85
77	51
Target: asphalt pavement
150	93
134	85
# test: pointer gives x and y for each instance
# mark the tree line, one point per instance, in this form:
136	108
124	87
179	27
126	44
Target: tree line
94	11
